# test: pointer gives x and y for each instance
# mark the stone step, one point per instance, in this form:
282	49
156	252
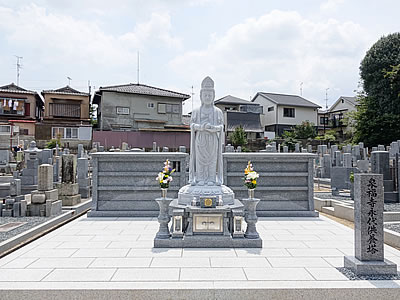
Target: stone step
391	197
328	210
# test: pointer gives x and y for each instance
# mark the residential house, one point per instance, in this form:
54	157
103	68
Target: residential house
338	112
139	107
281	112
66	117
323	121
240	112
20	110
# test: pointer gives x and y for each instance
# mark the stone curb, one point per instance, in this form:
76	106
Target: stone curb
392	238
25	237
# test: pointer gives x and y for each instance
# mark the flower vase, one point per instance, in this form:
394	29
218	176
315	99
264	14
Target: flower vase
164	193
250	193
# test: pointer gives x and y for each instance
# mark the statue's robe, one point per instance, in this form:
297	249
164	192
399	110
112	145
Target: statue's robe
206	148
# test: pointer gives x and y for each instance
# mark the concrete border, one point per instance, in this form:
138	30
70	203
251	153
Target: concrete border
392	238
81	207
382	290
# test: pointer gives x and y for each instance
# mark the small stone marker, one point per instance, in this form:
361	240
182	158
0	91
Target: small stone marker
368	228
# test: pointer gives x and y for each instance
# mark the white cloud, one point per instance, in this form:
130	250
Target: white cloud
276	52
57	37
331	5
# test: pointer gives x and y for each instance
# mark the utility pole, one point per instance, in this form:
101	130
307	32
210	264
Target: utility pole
19	66
138	67
301	89
326	109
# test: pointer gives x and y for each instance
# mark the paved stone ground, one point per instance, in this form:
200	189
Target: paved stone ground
118	253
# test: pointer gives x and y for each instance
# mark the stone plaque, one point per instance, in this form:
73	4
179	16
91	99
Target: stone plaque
368	218
208	223
208	202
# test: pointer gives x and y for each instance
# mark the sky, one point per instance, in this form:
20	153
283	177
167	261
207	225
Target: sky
308	47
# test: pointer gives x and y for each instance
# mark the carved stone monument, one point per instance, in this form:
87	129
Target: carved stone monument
368	228
206	213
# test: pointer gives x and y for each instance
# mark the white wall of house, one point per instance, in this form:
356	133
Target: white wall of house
267	117
133	107
301	114
342	105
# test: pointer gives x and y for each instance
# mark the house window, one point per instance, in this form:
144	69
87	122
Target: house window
271	108
150	105
5	129
288	112
65	110
169	108
161	108
323	120
65	132
12	106
123	110
342	100
23	131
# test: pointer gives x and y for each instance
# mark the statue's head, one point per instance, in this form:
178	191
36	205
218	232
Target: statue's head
207	92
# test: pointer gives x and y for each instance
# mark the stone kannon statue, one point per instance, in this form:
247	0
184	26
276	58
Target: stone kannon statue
207	138
207	134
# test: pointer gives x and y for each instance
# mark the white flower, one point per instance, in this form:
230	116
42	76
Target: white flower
165	181
252	175
160	176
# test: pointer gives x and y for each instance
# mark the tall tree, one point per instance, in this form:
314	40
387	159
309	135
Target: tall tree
378	115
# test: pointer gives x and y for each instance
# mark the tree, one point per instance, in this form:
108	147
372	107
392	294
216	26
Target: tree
289	139
305	130
378	113
329	136
239	137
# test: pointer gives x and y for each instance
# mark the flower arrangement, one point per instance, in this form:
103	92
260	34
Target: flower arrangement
250	177
164	177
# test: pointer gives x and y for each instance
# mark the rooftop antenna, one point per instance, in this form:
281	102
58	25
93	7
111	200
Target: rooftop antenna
19	66
69	80
138	67
301	88
326	98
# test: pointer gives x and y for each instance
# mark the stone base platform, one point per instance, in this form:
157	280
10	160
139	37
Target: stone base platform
359	267
199	241
188	192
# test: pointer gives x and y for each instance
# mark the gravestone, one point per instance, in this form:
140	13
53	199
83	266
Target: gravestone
182	149
165	149
269	148
83	177
154	147
324	149
347	162
124	146
80	150
285	149
46	154
309	148
297	147
337	159
326	164
44	200
4	157
334	148
68	189
368	228
363	166
381	148
380	163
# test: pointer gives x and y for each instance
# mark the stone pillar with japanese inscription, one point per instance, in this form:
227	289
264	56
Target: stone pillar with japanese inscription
368	228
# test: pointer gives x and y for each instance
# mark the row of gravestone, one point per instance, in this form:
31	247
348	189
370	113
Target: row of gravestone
32	179
125	147
339	165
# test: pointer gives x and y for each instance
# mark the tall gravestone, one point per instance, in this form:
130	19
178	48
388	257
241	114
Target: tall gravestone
368	228
83	177
44	200
68	189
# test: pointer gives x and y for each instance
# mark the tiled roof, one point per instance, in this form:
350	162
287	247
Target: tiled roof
290	100
67	90
233	100
142	89
12	88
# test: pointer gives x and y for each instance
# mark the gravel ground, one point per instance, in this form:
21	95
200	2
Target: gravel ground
392	207
31	222
394	227
349	274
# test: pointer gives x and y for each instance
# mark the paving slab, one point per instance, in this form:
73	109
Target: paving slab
299	257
